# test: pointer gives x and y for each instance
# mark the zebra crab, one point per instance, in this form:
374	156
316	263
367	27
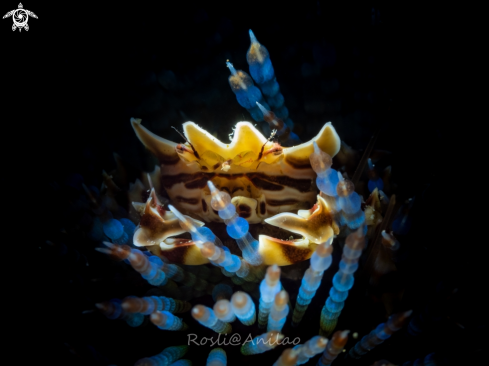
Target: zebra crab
265	180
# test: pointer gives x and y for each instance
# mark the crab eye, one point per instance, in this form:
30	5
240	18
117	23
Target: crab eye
181	148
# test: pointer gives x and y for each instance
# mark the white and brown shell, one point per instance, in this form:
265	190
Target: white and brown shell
265	180
262	178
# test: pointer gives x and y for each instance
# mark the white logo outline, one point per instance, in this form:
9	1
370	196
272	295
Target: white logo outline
20	17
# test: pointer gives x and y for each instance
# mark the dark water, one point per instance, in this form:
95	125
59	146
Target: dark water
90	69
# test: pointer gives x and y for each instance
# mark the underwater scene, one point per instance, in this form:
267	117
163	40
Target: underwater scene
249	184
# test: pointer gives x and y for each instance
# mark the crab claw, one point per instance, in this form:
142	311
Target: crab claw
284	252
315	225
179	251
154	231
158	224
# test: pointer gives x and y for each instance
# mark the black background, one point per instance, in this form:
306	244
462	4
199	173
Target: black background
82	70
